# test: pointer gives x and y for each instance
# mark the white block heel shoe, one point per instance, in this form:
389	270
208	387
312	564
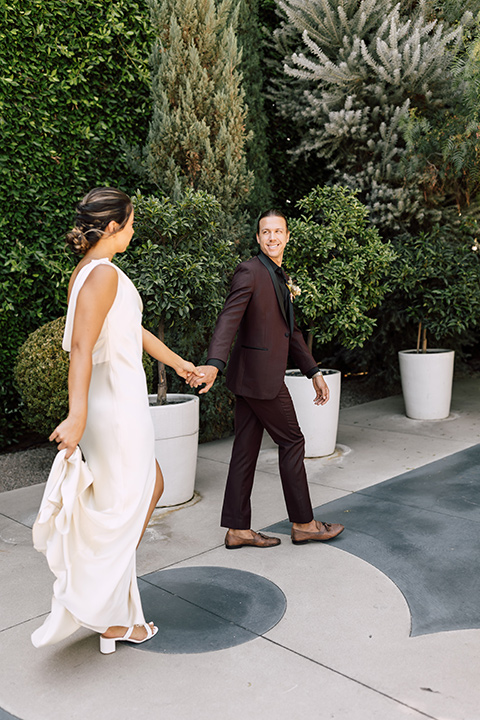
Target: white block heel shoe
107	645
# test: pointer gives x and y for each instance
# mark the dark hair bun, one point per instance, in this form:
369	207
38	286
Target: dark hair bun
94	212
77	241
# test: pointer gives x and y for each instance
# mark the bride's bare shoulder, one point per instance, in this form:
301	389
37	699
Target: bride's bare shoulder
100	273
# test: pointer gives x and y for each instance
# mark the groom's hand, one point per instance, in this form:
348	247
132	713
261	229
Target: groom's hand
210	375
321	389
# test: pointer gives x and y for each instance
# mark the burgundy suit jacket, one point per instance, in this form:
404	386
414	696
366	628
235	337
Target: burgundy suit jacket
253	313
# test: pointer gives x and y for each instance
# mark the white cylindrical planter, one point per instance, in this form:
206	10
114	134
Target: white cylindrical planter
427	383
318	423
176	445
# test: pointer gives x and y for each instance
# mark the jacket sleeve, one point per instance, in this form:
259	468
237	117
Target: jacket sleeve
299	351
228	321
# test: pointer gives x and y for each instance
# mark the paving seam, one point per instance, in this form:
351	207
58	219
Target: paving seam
273	471
335	487
22	622
348	677
266	472
15	521
222	462
400	431
177	562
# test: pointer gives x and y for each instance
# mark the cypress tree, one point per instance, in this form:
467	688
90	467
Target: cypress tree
197	135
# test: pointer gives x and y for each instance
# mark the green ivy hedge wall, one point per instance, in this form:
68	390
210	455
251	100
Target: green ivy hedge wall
74	92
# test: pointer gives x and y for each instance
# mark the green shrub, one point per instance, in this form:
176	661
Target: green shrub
217	406
435	281
41	373
74	88
181	262
339	263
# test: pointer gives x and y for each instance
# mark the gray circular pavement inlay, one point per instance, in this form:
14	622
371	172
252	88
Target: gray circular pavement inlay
6	716
201	609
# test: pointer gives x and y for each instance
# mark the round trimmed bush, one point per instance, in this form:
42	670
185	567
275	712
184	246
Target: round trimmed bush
41	373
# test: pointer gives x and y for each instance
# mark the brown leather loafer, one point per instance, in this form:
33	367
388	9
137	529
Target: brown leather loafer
325	531
259	540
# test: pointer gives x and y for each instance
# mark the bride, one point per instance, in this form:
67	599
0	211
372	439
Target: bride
94	514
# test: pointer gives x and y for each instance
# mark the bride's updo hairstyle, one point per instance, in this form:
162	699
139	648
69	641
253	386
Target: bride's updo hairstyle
99	207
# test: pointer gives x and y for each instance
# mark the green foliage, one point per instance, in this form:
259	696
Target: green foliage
197	134
181	260
436	279
354	70
217	406
26	299
41	373
443	151
340	264
74	84
450	11
289	177
181	263
252	68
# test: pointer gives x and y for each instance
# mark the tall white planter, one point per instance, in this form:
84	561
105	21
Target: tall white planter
176	445
427	383
318	423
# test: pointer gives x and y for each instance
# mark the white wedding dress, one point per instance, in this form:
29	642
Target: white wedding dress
91	516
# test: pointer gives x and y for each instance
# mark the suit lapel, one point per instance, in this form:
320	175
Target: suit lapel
288	320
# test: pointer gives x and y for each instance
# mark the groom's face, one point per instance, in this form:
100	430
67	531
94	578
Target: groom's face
272	237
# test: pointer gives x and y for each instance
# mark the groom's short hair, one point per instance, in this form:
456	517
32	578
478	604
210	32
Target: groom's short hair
273	212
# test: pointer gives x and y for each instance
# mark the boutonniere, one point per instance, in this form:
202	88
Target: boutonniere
293	289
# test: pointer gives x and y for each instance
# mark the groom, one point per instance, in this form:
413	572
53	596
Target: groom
259	312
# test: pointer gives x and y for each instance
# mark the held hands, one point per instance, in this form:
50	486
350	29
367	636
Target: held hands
195	376
208	376
191	374
321	389
68	434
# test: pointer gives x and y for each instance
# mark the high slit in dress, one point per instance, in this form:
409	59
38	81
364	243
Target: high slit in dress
92	513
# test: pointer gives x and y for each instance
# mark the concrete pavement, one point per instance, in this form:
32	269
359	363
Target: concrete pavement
342	649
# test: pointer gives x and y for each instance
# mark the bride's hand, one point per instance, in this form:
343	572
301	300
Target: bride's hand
68	434
188	372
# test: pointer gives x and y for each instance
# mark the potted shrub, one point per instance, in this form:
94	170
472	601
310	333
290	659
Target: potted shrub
339	264
180	262
436	278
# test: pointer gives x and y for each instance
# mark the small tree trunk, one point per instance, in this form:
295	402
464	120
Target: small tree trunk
162	375
419	335
424	341
310	341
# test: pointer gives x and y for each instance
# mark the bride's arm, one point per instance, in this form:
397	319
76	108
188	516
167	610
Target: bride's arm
157	349
94	301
